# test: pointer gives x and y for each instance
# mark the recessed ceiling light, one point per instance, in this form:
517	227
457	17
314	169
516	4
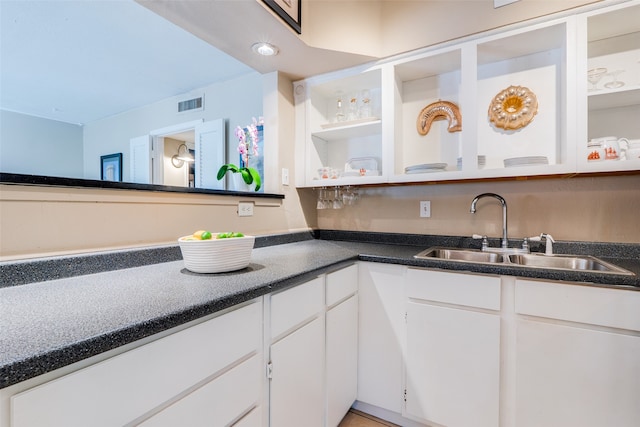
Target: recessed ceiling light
265	49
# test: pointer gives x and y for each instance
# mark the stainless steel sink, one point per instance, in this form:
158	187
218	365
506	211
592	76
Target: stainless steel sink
529	260
465	255
566	262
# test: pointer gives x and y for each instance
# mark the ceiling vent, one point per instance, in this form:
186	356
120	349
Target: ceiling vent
194	104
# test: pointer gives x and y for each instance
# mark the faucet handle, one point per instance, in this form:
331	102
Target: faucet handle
485	241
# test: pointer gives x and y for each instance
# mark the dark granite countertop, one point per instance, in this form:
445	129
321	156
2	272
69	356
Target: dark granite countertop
48	324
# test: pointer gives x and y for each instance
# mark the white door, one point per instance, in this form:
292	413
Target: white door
576	377
210	144
453	366
140	170
297	397
342	359
381	321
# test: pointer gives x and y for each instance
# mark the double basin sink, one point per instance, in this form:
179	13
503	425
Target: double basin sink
583	263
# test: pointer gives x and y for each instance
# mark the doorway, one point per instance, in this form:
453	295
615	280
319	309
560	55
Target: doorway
167	143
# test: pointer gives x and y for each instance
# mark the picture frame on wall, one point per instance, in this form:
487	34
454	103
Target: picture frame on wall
289	11
111	167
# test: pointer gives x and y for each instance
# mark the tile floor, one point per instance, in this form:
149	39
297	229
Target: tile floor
355	418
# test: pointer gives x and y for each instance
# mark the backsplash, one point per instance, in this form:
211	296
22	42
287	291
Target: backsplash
589	209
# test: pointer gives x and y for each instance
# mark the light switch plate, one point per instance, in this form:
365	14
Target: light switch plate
285	176
245	208
425	209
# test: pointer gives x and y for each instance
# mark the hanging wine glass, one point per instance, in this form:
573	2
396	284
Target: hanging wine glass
615	83
594	76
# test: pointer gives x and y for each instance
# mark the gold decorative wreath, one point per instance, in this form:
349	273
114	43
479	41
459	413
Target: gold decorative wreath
440	110
513	108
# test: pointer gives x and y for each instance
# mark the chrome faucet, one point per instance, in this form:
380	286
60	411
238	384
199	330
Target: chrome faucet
503	202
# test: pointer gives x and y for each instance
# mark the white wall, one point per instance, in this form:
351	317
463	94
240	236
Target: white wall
32	145
237	100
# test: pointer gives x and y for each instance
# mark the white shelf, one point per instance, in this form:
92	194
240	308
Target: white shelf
348	130
612	98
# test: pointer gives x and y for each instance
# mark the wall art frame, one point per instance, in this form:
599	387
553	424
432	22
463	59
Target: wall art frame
290	11
111	167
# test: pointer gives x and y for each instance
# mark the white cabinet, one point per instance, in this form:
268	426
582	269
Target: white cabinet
381	335
341	343
546	61
339	121
609	41
453	348
172	373
297	355
296	388
313	350
220	402
577	356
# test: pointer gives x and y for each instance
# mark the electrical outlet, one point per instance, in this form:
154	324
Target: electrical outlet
245	208
425	209
285	176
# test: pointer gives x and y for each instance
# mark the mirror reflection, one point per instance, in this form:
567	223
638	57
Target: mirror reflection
85	80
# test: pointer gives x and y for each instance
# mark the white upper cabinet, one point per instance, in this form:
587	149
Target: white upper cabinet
426	122
502	104
341	136
609	47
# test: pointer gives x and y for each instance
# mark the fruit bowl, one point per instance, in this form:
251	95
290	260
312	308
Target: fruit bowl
216	255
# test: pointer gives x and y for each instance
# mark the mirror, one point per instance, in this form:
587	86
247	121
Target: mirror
82	80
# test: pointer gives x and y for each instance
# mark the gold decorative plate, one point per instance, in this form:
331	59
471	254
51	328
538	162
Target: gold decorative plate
441	110
513	108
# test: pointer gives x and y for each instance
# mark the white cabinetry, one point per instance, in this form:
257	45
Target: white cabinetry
381	335
609	39
341	343
177	374
577	356
453	348
328	142
297	355
313	350
549	57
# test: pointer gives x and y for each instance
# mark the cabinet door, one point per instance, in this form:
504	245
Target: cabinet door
452	366
576	377
296	387
342	359
380	339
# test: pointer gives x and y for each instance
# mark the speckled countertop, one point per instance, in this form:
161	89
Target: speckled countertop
49	324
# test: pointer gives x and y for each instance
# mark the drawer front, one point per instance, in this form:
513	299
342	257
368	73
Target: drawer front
123	388
296	305
341	284
614	308
252	419
454	288
217	403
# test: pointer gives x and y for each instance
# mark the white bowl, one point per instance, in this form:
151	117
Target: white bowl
216	255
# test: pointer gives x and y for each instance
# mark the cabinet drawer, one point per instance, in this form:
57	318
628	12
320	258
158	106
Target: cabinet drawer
125	387
454	288
217	403
341	284
295	305
252	419
614	308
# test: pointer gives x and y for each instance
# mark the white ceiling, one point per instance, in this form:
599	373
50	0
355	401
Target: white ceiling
81	60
